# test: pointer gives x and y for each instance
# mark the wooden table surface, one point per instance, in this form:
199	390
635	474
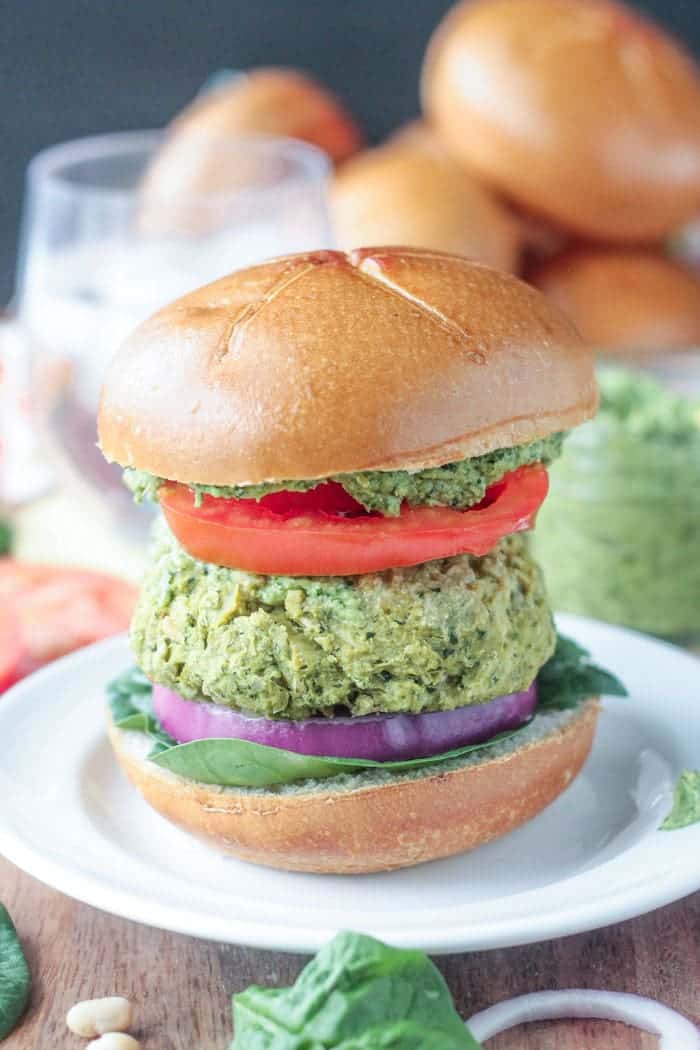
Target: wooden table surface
181	986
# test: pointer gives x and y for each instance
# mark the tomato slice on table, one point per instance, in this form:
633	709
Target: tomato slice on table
48	611
324	532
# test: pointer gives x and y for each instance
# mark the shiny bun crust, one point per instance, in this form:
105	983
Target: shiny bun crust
625	299
356	829
325	363
579	109
412	192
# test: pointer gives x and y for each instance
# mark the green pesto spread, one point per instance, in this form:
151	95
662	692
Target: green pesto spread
460	484
433	637
619	535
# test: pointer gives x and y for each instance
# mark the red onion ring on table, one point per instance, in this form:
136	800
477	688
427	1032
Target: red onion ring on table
675	1031
379	738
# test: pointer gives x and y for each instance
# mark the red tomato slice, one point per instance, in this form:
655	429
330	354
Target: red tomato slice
52	611
327	498
288	541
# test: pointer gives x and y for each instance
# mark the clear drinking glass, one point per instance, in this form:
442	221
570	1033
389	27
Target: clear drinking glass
102	248
24	473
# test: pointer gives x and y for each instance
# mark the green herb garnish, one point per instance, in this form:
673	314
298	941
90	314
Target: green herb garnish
686	802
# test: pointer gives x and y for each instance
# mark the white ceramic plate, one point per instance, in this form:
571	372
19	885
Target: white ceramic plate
594	857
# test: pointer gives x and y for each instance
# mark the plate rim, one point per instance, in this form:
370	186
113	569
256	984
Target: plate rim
622	904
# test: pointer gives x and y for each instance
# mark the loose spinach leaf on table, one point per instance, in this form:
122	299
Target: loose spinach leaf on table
14	976
569	677
356	994
686	802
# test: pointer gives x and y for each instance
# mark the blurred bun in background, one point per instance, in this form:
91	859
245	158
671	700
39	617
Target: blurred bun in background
271	101
580	110
411	192
417	133
192	160
625	299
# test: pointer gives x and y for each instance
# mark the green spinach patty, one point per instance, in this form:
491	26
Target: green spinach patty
460	484
433	637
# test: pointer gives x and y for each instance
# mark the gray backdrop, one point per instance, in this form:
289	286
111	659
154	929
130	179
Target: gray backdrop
76	67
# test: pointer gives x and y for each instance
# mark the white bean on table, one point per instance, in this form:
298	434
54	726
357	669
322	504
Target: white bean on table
99	1016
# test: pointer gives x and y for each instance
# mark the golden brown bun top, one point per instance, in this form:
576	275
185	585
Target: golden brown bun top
579	109
412	192
325	363
625	299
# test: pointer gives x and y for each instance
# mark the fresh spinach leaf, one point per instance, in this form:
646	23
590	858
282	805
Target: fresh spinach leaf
686	802
569	677
14	976
144	723
123	709
240	763
129	698
131	683
356	994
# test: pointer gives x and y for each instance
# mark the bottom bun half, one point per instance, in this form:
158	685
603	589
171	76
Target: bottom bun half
375	821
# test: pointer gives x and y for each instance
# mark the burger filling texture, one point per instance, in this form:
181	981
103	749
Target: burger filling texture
461	484
446	635
437	636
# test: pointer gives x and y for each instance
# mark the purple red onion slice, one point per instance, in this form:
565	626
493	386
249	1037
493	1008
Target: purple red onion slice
379	738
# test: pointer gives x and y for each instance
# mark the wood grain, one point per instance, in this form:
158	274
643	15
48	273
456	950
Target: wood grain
181	986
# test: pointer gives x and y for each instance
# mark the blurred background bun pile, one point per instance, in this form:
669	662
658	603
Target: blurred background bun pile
560	140
587	117
625	298
275	102
412	191
579	110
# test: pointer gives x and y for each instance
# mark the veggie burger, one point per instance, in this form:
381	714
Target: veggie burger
346	659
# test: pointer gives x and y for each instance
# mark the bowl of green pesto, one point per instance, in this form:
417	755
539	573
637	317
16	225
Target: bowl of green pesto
619	536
